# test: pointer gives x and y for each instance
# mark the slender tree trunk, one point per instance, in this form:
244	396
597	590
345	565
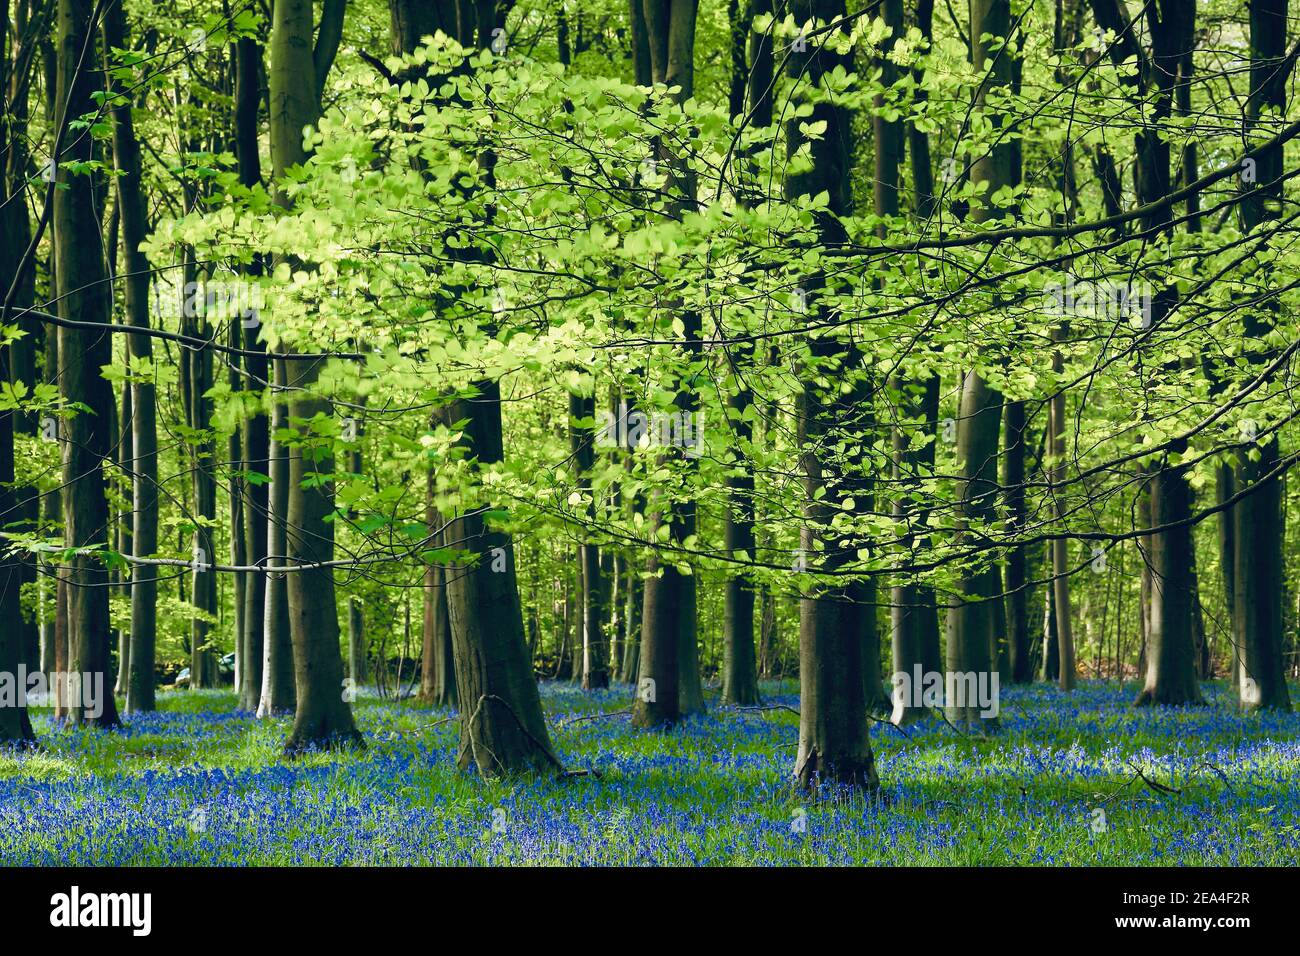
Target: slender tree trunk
126	461
632	645
595	649
1060	547
751	97
238	543
196	380
437	662
278	691
1017	580
914	620
256	431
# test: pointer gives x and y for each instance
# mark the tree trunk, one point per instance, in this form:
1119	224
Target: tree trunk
595	649
437	659
669	682
751	86
82	353
278	694
833	743
971	615
1171	646
256	431
323	717
502	729
1060	546
1258	568
1017	580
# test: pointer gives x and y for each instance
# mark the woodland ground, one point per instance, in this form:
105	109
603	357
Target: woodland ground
201	783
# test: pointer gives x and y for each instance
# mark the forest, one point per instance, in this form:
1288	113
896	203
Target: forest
668	432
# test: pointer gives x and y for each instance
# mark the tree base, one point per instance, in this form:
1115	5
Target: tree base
741	697
299	744
18	734
815	774
1160	697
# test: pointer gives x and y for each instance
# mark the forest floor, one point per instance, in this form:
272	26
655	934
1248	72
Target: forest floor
1082	779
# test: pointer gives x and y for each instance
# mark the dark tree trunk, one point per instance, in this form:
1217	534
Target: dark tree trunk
15	726
833	743
196	380
17	364
18	275
125	460
322	716
750	97
971	615
914	616
358	668
1060	547
669	681
502	729
1170	647
82	353
1258	568
256	431
739	666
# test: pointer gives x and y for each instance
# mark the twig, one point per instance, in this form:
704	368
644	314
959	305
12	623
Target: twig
1153	784
585	717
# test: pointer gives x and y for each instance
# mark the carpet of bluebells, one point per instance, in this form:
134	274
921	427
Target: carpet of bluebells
1081	778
